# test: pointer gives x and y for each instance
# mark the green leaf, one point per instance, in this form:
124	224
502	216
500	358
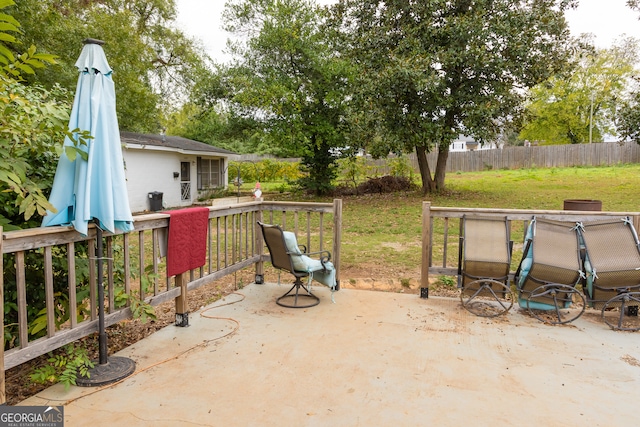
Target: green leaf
25	68
7	38
6	3
39	324
10	178
6	26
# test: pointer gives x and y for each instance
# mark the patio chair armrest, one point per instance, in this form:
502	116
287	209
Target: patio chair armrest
325	256
524	255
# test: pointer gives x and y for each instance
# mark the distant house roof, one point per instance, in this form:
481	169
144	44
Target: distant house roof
465	138
174	143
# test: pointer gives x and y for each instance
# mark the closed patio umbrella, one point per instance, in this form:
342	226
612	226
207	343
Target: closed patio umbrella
94	189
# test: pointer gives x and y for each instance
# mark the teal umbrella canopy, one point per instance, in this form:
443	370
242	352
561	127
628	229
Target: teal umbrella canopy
93	189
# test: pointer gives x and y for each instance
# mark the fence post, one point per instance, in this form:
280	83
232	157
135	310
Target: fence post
426	247
3	394
337	237
259	245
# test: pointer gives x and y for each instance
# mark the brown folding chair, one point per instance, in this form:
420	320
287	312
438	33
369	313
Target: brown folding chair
484	259
550	269
612	262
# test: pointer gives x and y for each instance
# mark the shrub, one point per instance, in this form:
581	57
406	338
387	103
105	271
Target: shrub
386	184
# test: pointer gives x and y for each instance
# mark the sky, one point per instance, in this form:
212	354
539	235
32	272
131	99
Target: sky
607	19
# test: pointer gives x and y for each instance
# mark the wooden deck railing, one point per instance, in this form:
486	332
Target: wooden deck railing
441	231
67	284
55	268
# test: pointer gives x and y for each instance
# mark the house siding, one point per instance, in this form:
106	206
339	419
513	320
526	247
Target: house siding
148	171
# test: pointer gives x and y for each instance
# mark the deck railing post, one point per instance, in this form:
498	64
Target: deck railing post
337	237
259	245
182	306
426	243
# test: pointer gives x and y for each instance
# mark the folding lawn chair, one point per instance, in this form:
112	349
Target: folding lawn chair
550	269
484	259
612	262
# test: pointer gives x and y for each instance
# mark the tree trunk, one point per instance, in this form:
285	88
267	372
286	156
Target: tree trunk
428	186
441	166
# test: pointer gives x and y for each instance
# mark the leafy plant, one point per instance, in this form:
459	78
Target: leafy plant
33	121
140	309
64	367
353	169
400	166
446	281
62	312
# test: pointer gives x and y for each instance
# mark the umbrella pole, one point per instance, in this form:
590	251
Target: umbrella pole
102	334
107	370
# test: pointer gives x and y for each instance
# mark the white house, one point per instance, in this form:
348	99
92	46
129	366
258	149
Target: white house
466	143
179	168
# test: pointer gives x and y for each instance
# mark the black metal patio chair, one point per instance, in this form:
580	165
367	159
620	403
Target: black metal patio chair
287	255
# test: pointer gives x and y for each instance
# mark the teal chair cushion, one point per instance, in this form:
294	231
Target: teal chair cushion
323	273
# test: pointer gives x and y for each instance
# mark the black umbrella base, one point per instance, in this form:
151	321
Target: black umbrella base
114	370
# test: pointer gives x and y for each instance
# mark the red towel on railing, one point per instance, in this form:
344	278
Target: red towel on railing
187	242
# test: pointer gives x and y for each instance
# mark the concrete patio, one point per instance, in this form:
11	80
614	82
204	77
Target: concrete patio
370	359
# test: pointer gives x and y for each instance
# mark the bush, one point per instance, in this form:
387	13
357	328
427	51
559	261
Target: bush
267	170
386	184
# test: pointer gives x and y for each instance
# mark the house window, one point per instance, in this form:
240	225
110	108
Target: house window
185	171
208	173
185	181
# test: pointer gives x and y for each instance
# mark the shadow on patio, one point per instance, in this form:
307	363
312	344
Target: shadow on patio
370	359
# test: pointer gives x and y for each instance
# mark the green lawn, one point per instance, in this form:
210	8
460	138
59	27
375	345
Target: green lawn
382	233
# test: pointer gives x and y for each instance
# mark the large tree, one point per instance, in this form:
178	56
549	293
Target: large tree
286	75
628	115
33	122
153	63
205	118
435	69
581	106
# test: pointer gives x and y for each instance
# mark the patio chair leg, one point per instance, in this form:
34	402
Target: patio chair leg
626	303
480	298
561	305
295	294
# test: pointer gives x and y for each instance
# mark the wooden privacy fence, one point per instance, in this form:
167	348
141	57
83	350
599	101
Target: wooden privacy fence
546	156
55	268
441	232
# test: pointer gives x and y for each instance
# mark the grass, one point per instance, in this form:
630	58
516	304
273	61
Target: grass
384	231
